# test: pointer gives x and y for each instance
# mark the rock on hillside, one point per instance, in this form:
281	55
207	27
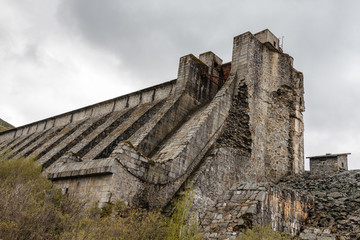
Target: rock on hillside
5	126
337	202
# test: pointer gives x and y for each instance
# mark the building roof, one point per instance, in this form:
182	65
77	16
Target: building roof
327	155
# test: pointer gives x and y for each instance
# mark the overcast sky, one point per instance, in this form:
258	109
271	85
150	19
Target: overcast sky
59	55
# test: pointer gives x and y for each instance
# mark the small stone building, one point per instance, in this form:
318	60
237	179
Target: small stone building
328	163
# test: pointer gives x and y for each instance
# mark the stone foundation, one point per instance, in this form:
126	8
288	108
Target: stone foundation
249	204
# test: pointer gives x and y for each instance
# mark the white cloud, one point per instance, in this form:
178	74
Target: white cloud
47	75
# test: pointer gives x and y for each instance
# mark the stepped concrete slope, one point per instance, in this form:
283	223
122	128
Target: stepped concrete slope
218	127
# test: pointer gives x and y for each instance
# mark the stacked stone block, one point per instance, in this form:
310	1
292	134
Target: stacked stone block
249	204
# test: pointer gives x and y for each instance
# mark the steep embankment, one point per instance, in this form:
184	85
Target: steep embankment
337	203
5	125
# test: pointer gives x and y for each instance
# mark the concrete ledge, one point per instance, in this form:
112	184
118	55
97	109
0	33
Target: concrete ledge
77	169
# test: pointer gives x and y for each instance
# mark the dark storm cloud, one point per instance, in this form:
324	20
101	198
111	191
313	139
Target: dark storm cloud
147	35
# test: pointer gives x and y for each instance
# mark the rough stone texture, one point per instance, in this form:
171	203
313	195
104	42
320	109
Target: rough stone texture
248	204
337	201
269	104
216	126
312	233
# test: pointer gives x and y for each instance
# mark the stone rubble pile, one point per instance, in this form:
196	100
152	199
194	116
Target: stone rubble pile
317	233
337	202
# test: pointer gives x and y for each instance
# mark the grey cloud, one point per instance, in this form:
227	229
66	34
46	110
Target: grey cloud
143	35
148	37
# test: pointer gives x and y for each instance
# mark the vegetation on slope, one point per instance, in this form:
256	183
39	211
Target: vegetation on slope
5	126
31	207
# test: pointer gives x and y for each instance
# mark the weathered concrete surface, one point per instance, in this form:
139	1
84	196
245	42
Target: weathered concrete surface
215	126
91	181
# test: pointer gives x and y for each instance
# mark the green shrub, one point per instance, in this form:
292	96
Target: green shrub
123	223
31	207
138	225
263	233
182	224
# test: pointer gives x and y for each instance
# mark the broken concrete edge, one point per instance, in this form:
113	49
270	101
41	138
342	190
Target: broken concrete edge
85	168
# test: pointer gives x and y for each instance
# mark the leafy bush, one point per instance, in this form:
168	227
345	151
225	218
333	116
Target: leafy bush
182	224
264	233
138	224
31	207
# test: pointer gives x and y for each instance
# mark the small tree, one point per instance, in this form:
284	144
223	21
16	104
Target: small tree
30	206
182	224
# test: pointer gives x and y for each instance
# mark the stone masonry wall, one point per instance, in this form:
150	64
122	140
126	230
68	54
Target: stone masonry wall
272	110
247	204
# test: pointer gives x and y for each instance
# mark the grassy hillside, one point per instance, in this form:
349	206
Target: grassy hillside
5	126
